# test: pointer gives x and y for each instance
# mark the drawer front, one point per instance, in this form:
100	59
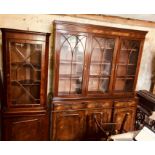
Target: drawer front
125	103
72	105
63	106
99	104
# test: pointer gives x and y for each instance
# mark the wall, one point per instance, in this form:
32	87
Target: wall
43	23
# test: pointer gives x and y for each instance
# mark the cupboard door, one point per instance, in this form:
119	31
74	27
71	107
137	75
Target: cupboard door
25	128
71	57
101	57
100	116
119	114
126	65
26	77
68	125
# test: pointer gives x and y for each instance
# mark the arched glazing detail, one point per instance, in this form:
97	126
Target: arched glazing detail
25	63
72	53
126	65
100	65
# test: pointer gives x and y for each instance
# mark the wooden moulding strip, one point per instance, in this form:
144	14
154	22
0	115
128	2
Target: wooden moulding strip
114	19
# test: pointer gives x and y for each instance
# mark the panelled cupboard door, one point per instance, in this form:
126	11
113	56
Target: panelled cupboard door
101	63
25	128
68	125
98	114
127	65
95	119
70	52
119	114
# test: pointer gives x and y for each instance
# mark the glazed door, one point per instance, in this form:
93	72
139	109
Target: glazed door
101	64
70	64
25	68
126	65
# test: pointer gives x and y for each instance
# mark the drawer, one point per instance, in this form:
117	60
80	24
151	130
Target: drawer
125	103
68	106
99	104
61	107
71	105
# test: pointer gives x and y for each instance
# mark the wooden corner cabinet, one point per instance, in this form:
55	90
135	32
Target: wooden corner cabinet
24	107
95	72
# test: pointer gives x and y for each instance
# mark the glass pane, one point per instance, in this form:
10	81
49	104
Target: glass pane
120	84
121	70
106	69
129	85
72	54
133	57
25	72
95	69
108	54
64	69
93	84
65	53
77	69
131	70
123	58
104	84
101	62
64	86
131	45
96	54
76	86
20	95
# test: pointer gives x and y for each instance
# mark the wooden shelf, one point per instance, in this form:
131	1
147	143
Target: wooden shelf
63	76
125	77
100	63
103	48
37	101
75	92
25	64
123	64
129	50
99	76
97	92
26	82
69	62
